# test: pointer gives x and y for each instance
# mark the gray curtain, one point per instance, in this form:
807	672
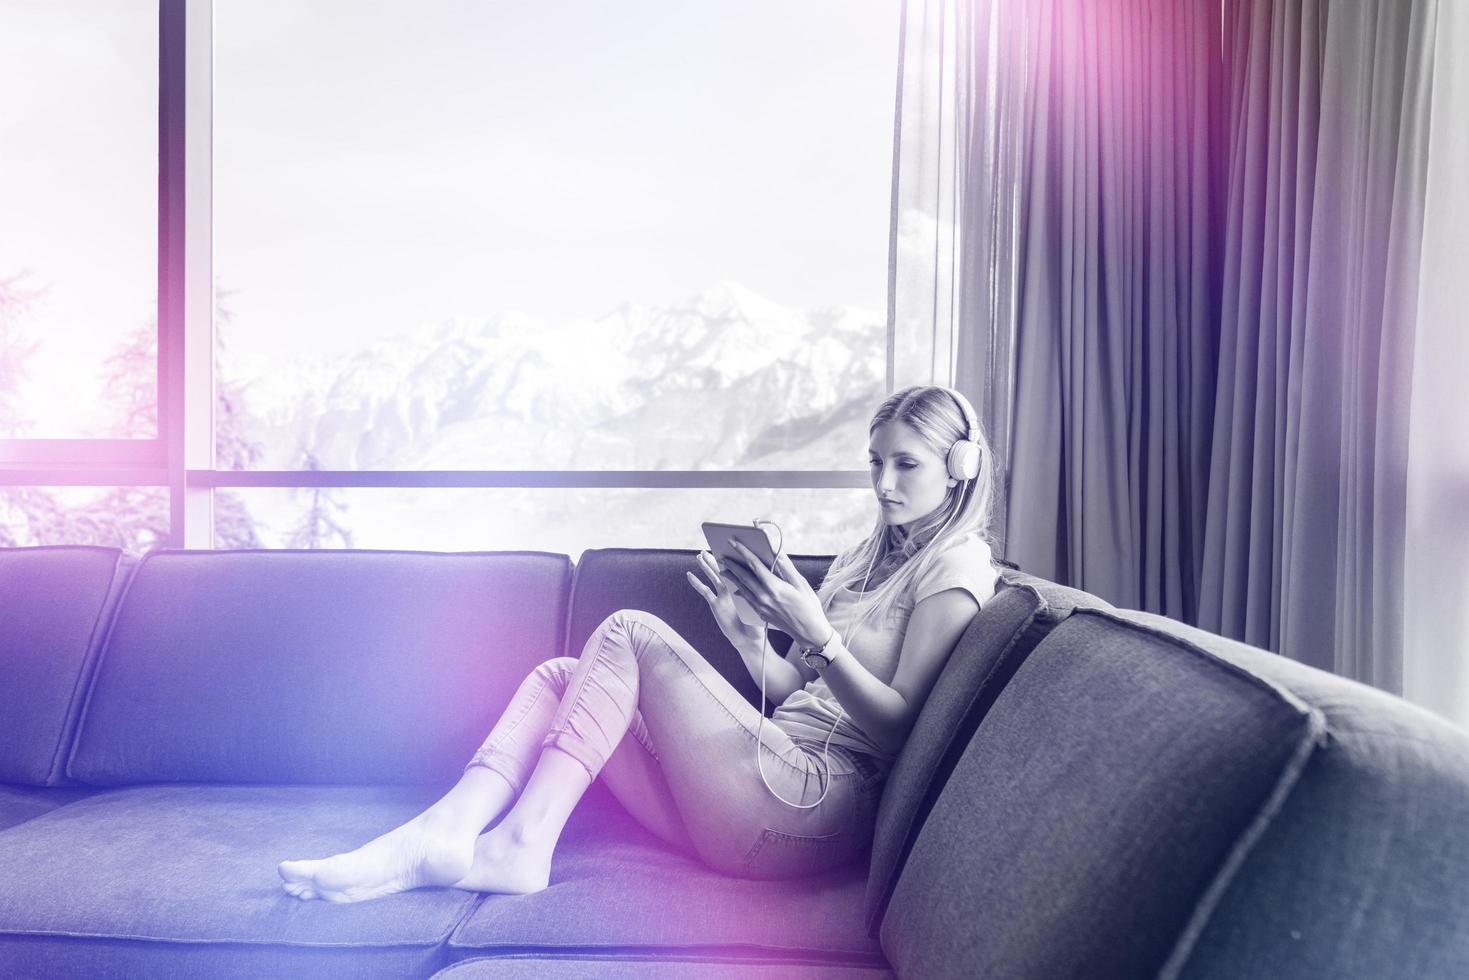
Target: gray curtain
1089	287
1327	124
1184	273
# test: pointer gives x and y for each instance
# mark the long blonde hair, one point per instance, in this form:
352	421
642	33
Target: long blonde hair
897	556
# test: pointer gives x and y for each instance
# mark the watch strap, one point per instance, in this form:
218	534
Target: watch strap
819	651
807	648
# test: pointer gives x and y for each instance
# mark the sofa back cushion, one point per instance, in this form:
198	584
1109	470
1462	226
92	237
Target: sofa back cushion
653	580
1089	816
1022	612
55	604
1363	871
315	666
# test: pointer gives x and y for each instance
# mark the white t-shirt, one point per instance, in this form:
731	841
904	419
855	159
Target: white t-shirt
808	714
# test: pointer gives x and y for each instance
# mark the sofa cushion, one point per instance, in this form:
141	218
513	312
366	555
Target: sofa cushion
652	580
1364	870
315	666
539	966
1087	818
168	868
1003	633
1059	598
69	957
55	604
617	888
21	803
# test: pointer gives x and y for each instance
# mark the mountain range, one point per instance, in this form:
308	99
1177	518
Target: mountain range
725	379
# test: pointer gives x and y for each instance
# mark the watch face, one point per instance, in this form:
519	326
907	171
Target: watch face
815	660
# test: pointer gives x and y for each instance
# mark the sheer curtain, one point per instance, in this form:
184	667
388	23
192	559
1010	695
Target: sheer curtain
923	249
955	167
1192	301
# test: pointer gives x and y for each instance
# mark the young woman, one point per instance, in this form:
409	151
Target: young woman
702	768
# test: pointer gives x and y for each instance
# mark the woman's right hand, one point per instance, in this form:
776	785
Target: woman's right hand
721	604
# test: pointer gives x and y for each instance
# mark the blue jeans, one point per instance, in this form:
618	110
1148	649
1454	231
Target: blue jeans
688	773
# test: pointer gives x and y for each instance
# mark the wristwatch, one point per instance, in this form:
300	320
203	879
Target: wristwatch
815	657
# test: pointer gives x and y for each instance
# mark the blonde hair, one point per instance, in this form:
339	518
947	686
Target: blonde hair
897	556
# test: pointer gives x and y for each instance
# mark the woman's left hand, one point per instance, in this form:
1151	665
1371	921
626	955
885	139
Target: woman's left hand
783	598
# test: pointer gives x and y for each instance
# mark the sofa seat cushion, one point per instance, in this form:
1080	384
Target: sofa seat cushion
1118	775
185	864
351	667
55	607
1002	634
543	967
21	803
616	887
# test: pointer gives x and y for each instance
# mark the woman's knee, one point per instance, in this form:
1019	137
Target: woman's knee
636	624
625	620
557	668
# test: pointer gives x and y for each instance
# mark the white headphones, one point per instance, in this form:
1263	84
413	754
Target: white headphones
963	464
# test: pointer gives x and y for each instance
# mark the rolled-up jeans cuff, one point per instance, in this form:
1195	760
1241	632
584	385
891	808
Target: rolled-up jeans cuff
503	764
576	747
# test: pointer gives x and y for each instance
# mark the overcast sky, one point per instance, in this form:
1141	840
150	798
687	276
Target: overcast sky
379	166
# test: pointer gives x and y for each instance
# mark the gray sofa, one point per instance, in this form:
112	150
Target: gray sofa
1088	792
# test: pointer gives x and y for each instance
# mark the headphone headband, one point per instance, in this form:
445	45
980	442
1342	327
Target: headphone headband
971	419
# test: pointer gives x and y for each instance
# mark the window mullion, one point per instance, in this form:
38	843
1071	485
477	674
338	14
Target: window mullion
185	263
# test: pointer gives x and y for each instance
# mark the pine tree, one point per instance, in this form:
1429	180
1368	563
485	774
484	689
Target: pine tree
16	348
20	507
320	526
233	450
134	518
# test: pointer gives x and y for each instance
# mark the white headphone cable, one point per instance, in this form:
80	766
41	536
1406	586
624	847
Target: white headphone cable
841	712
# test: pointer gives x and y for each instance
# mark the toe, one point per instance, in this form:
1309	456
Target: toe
293	870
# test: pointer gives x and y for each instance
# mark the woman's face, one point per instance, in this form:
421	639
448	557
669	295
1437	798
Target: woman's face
906	471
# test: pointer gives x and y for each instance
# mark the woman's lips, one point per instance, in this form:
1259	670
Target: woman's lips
889	503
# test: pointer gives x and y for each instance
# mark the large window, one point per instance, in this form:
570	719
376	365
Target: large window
79	212
526	240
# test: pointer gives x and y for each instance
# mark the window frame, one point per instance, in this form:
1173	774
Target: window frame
181	456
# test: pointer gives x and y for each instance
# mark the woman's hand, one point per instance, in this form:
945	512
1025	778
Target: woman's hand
721	604
783	598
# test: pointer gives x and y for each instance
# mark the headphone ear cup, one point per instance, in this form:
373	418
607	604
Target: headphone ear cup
964	455
964	460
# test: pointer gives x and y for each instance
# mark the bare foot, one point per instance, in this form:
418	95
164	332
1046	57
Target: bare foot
421	853
510	861
301	888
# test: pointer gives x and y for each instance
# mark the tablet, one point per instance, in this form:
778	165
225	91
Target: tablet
721	538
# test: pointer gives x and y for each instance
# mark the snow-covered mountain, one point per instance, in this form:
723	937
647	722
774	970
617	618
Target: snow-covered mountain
724	379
